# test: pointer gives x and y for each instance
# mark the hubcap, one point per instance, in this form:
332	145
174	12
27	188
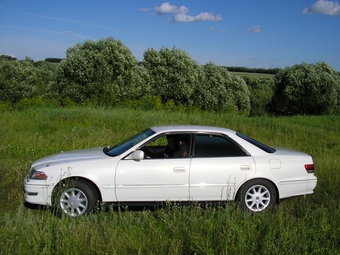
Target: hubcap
73	202
257	198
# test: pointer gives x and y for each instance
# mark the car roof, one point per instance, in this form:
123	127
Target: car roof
191	128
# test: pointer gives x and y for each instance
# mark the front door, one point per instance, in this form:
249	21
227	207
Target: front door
153	179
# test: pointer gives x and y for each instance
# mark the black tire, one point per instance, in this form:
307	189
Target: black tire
75	198
257	195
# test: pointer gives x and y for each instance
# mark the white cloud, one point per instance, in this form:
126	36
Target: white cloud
254	29
204	16
180	14
330	8
165	8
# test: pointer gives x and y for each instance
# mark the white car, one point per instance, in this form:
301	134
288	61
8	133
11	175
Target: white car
171	163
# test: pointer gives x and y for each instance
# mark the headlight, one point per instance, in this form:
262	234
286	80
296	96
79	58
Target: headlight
37	175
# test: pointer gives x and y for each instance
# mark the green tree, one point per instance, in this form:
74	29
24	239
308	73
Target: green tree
22	80
53	60
241	95
221	91
306	89
173	74
103	71
7	58
215	94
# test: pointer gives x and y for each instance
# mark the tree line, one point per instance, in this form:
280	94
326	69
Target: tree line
252	70
105	73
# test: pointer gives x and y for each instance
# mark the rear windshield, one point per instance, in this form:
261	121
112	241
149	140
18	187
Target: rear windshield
257	143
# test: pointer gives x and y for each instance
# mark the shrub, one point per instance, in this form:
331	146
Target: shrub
220	91
21	79
147	102
104	71
36	102
261	92
173	74
306	89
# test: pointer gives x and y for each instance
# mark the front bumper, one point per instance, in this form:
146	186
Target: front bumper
37	192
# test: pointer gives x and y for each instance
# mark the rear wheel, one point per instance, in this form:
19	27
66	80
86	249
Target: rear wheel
75	198
257	195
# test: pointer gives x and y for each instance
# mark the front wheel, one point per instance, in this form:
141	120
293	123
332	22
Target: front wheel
257	195
75	198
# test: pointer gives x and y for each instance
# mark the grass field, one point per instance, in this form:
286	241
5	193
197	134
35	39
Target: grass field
303	225
254	75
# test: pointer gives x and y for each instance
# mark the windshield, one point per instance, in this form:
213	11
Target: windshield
128	143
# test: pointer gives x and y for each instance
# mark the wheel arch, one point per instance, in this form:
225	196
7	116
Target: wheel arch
77	178
238	193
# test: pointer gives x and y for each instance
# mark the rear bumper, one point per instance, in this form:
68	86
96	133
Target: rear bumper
312	184
300	187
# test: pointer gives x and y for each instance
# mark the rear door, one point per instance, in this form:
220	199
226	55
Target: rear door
218	167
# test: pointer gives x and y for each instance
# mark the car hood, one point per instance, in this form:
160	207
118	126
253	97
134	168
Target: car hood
77	155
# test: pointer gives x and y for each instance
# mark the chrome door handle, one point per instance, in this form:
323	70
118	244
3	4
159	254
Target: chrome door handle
245	168
179	169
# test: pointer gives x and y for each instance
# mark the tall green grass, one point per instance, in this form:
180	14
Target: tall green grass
303	225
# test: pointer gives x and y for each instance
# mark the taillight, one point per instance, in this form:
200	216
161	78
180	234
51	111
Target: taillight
309	168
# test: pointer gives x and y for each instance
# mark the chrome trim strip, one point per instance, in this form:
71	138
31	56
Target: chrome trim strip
201	185
210	185
108	186
297	181
151	185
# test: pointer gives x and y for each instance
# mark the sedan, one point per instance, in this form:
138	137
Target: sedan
171	163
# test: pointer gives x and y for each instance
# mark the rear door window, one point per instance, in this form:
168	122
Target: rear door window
209	146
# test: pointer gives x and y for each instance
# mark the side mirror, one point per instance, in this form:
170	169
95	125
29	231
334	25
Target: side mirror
136	155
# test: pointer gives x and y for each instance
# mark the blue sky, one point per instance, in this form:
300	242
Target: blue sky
249	33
